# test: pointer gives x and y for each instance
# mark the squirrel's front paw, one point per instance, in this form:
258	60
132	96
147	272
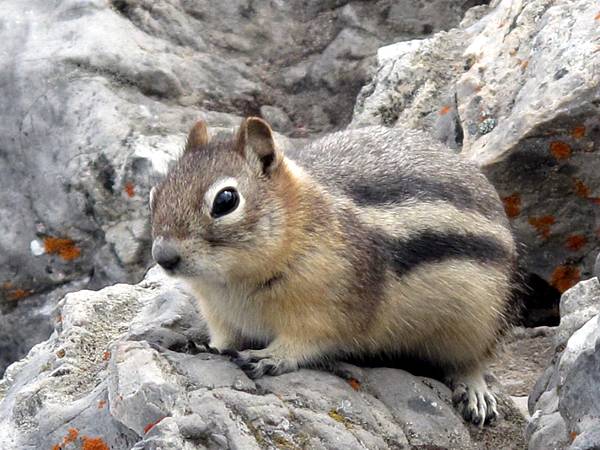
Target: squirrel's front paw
214	350
256	363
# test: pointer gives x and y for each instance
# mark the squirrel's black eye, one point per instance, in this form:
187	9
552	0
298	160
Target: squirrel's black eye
225	202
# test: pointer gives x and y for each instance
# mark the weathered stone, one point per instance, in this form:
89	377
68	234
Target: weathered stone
141	387
426	417
577	306
166	435
564	402
277	118
336	401
579	372
550	432
98	379
29	321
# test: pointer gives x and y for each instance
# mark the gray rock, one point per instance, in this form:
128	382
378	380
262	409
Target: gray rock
427	417
334	405
577	306
26	322
98	380
597	267
173	319
588	440
564	403
166	435
542	390
547	432
140	397
277	117
515	90
522	405
580	397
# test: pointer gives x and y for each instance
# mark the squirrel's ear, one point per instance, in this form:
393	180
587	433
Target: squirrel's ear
198	137
255	140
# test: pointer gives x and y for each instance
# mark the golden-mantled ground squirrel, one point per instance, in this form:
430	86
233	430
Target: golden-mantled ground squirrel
364	242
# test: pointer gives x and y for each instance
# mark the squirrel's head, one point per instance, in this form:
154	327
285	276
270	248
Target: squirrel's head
219	212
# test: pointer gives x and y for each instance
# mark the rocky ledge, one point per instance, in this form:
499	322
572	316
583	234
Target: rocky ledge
123	370
565	403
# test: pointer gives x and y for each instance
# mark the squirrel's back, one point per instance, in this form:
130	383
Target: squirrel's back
378	166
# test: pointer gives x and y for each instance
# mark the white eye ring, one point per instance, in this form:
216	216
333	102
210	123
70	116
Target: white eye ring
215	189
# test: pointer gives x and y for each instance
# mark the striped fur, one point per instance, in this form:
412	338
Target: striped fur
364	242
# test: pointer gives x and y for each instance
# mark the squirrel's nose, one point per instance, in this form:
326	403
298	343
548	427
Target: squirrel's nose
165	254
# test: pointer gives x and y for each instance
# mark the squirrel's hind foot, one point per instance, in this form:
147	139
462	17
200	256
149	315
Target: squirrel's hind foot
473	399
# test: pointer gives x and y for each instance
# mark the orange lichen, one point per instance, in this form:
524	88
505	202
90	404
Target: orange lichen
564	277
560	149
597	16
576	242
152	425
94	444
65	248
18	294
61	353
581	188
71	436
583	191
444	110
578	132
573	434
354	384
129	189
14	294
101	404
542	225
512	205
524	64
106	356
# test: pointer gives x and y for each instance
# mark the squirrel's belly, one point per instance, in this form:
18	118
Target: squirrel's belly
236	310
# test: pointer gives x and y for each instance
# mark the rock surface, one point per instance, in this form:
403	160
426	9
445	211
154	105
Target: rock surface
122	369
565	403
516	89
98	95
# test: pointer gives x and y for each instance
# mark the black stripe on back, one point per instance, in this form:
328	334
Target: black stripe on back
430	246
407	188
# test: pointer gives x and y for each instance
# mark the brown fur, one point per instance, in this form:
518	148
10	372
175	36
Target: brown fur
310	272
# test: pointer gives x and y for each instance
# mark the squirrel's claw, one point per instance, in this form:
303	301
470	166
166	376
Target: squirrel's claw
213	350
256	364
